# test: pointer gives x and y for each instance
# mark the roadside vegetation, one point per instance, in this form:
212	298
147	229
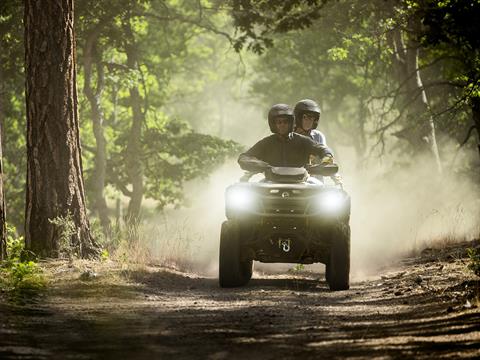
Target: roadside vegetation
474	256
20	274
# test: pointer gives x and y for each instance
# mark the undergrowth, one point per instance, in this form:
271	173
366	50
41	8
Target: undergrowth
65	229
474	264
19	271
166	244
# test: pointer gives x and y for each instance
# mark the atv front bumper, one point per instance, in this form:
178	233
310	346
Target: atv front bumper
286	240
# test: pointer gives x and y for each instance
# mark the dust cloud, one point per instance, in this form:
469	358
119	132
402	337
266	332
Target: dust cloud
396	210
189	237
401	209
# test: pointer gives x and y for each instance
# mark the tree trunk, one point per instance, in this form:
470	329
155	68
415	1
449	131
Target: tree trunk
420	107
360	138
419	128
134	145
3	232
91	56
3	229
54	167
476	117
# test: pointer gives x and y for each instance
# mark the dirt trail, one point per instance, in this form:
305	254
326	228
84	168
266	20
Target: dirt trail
419	309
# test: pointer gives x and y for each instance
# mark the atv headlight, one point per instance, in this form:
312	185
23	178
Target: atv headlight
331	201
240	198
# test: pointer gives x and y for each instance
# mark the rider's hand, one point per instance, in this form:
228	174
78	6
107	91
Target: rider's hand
327	160
337	179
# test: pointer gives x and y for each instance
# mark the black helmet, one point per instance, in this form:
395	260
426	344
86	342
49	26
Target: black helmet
280	110
304	106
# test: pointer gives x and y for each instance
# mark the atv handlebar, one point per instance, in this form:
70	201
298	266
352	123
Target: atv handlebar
324	170
318	169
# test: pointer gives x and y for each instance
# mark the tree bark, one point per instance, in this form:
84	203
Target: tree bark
419	129
421	106
359	141
54	166
91	55
476	117
134	145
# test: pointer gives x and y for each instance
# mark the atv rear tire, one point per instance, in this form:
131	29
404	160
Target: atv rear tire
338	266
232	271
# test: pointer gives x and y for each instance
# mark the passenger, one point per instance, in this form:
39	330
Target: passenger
284	147
307	115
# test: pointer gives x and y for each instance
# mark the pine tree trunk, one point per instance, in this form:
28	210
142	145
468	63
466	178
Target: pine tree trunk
91	56
54	167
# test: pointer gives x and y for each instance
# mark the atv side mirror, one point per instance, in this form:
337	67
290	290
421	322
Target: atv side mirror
324	170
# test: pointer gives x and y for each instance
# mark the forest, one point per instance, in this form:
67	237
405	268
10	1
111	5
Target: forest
121	122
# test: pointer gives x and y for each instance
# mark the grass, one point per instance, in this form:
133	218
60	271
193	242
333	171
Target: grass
19	272
474	260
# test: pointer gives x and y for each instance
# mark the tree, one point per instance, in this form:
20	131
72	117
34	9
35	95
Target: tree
166	35
92	57
3	232
12	110
450	28
124	43
451	22
404	42
54	166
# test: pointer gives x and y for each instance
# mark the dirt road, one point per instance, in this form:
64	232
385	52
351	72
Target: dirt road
423	307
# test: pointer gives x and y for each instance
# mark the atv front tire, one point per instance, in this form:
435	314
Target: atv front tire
233	271
338	266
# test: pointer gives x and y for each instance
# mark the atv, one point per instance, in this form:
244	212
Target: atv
288	215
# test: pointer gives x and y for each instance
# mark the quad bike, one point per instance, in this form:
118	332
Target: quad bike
286	216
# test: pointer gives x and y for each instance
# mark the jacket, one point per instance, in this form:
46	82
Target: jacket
274	150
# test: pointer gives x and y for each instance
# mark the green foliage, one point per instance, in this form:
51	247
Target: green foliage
65	229
343	55
297	268
143	25
19	272
451	29
474	264
337	53
256	20
173	153
12	109
105	255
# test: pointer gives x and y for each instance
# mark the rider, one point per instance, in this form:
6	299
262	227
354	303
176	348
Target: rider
307	114
283	147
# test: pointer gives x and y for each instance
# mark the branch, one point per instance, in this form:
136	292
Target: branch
458	84
112	66
123	189
181	18
90	149
473	127
398	90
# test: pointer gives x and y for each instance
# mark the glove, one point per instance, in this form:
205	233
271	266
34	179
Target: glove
337	179
327	160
